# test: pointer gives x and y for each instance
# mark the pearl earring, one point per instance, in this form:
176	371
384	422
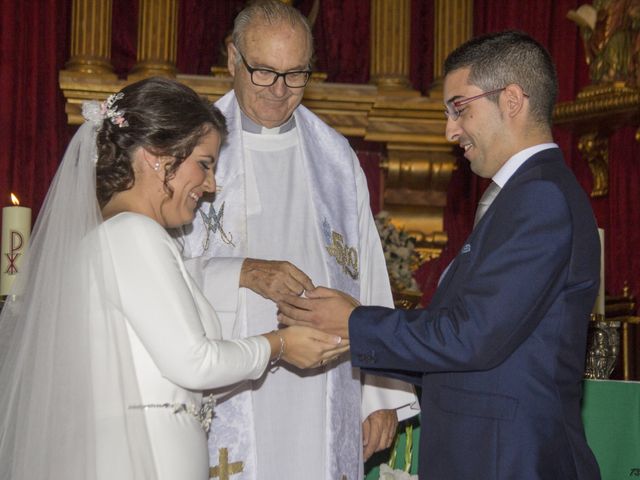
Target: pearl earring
156	167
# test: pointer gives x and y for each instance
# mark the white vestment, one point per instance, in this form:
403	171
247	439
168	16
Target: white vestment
299	196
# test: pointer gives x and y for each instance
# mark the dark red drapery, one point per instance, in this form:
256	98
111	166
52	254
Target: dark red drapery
34	44
618	212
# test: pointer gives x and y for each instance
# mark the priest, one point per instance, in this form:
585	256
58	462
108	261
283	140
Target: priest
292	211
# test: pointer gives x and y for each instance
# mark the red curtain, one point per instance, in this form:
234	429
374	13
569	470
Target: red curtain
34	44
546	21
421	55
203	26
342	44
123	36
618	213
370	155
33	130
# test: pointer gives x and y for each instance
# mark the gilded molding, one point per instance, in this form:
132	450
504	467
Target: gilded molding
453	26
420	160
595	149
608	106
91	37
157	38
390	34
594	115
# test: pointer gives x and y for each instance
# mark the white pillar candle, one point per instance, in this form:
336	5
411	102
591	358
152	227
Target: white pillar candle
598	308
16	229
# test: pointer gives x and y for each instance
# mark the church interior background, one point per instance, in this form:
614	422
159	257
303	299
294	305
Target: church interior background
378	68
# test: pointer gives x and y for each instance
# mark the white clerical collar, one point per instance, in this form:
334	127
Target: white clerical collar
250	126
511	165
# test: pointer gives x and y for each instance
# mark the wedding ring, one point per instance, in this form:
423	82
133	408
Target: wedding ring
321	363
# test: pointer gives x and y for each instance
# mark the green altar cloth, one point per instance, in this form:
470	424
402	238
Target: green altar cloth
611	416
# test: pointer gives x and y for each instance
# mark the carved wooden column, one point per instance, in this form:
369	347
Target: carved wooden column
390	35
453	26
157	38
91	37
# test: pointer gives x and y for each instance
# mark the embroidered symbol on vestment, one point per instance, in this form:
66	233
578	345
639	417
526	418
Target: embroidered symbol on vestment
213	223
346	256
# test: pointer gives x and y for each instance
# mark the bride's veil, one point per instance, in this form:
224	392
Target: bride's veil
66	371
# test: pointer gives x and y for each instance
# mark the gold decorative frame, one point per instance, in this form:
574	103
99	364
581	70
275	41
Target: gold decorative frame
597	112
419	160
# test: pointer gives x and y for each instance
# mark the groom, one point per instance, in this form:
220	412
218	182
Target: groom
500	350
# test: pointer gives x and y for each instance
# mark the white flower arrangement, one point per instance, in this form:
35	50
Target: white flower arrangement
387	473
399	252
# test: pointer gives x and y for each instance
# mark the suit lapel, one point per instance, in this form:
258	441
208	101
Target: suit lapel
551	155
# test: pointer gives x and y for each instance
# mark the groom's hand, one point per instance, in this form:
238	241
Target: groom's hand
323	308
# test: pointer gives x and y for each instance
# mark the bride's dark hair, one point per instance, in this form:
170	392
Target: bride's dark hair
163	116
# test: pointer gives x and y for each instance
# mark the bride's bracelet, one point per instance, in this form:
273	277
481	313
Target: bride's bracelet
275	361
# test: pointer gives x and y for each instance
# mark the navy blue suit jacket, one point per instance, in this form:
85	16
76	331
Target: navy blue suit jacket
500	350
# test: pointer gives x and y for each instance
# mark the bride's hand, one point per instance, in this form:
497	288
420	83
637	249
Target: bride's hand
307	347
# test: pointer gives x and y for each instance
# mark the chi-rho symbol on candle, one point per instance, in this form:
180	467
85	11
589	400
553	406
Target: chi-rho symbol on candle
16	229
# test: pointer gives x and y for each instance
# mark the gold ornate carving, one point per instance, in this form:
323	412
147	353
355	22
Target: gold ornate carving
390	32
423	223
622	309
453	27
607	106
596	112
411	126
611	33
157	38
595	148
91	37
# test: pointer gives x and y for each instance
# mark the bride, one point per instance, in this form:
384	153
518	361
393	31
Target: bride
106	343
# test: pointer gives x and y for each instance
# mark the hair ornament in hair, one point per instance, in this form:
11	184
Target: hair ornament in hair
110	110
92	112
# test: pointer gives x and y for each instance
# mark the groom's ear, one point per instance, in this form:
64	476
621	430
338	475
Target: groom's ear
515	99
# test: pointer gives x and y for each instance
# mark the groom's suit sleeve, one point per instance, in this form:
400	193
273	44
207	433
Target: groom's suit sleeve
490	301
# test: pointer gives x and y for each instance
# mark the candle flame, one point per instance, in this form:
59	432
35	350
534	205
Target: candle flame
14	200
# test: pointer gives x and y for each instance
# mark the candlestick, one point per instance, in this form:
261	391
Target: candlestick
598	308
16	229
